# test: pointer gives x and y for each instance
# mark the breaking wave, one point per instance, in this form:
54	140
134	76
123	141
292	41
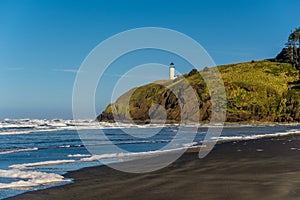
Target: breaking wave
27	179
257	136
24	126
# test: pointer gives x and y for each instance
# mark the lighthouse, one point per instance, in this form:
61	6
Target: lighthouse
172	71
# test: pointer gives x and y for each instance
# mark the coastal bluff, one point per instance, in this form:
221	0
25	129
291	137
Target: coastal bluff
256	91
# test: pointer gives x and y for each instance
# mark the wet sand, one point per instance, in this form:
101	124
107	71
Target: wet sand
255	169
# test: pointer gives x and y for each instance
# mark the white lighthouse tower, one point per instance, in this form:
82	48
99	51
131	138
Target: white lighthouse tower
172	71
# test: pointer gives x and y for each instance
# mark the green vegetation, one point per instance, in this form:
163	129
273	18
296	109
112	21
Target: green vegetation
256	91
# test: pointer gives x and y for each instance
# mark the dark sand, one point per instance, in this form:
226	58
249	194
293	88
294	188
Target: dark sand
255	169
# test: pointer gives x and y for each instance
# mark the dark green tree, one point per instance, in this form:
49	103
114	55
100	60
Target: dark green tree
291	53
293	45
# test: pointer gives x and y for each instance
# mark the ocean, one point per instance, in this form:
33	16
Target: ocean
35	154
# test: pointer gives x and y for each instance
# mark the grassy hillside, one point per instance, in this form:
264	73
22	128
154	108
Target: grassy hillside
256	91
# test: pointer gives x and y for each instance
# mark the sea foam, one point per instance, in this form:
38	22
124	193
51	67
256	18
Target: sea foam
29	178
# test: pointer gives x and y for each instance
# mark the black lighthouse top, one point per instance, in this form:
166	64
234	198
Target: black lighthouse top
172	64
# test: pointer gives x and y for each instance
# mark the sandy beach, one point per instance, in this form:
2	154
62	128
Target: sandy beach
254	169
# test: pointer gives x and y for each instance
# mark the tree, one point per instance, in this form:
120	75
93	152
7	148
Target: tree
295	41
295	37
291	53
293	47
192	72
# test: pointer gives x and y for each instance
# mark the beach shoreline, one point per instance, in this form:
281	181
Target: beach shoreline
266	168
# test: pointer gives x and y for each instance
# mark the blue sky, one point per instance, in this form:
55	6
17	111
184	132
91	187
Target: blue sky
43	43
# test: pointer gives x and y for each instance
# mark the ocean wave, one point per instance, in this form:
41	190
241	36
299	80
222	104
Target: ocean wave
64	146
134	155
25	126
89	157
36	164
190	144
29	178
7	151
257	136
78	155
